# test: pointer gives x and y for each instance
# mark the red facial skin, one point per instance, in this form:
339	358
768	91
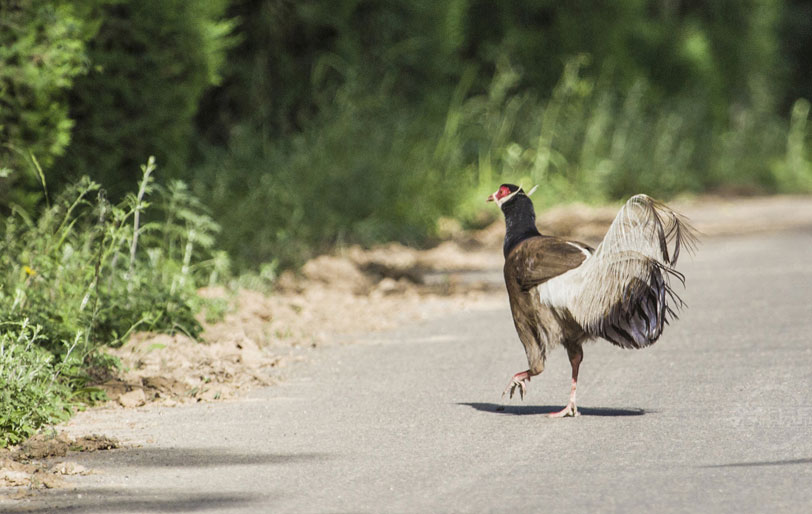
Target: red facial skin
502	192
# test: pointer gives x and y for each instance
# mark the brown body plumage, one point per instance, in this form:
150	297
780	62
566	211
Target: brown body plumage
564	292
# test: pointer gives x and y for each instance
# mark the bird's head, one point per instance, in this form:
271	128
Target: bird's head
507	192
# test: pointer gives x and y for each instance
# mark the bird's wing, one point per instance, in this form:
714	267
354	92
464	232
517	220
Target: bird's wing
538	259
622	293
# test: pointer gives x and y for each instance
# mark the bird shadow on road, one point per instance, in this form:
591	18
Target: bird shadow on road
108	500
784	462
531	410
196	458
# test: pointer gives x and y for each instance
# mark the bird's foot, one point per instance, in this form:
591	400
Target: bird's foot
520	381
569	410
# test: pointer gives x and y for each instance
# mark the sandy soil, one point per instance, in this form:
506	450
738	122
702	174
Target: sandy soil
352	291
43	461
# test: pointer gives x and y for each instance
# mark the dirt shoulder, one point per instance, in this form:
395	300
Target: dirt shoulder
335	296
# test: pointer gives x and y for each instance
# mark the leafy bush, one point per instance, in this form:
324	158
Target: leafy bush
151	60
31	393
42	52
84	274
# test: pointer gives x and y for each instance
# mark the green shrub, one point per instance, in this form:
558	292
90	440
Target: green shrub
151	61
31	393
42	52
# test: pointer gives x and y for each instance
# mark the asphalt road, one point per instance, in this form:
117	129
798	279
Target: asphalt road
715	417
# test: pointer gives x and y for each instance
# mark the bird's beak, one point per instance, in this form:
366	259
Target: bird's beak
491	197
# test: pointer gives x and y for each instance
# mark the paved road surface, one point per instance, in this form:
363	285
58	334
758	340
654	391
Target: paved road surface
716	417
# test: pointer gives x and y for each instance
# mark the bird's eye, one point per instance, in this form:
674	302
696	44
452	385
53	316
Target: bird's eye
503	191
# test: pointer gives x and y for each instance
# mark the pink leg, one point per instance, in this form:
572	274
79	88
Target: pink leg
571	410
520	380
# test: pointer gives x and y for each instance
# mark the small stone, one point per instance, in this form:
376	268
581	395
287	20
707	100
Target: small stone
134	398
68	468
388	286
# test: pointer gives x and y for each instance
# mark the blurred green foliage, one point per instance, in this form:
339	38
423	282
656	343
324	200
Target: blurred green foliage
303	124
363	121
42	51
151	60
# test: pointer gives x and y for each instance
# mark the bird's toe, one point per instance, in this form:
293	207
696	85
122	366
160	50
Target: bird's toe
569	411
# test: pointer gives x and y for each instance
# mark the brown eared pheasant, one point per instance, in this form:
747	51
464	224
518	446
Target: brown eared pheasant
564	292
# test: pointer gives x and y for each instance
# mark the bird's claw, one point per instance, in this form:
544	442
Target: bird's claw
517	382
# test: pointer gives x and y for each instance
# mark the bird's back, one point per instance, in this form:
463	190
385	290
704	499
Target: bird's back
541	258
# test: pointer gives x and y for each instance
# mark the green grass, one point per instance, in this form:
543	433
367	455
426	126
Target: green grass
81	275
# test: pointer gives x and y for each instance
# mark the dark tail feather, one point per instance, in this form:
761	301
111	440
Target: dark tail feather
646	307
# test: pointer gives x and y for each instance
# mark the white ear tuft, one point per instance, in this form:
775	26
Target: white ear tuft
532	190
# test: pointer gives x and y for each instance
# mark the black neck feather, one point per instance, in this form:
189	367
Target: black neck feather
520	221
